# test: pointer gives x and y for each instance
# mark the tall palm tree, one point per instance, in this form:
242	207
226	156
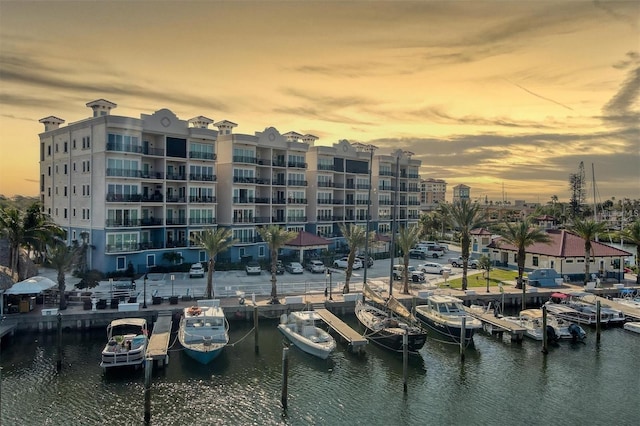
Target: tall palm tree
355	237
521	235
464	216
631	234
588	230
61	258
408	237
213	241
275	236
429	225
12	228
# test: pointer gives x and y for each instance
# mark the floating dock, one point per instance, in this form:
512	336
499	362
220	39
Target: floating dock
158	346
493	325
355	340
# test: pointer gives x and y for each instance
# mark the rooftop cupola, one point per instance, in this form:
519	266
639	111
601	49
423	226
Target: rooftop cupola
101	107
310	139
225	127
292	136
51	122
200	122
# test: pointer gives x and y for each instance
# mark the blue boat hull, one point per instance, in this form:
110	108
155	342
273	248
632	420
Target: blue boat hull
203	357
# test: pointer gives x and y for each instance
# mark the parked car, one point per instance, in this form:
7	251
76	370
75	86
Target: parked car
316	266
369	260
413	274
342	263
253	268
279	267
457	262
417	254
294	268
196	270
433	268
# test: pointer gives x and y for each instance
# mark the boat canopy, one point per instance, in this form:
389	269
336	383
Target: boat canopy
140	322
559	295
531	313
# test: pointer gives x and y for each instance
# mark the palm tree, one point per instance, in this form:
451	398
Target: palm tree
355	237
521	235
408	237
12	228
588	230
632	235
429	225
214	242
172	257
61	258
464	216
485	263
275	236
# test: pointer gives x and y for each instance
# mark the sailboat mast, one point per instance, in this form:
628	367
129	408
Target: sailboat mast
593	178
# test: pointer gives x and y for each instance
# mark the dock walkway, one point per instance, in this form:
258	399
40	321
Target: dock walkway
493	325
355	340
159	342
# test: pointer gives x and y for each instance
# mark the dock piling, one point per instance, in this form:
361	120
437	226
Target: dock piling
148	367
59	358
405	359
598	321
255	329
463	333
285	376
545	336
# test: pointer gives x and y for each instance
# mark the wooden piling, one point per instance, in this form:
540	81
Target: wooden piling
148	368
255	329
405	359
59	360
597	321
544	330
285	376
463	333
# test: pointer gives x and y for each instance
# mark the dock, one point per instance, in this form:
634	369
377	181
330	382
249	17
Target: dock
7	327
631	313
158	346
493	325
355	340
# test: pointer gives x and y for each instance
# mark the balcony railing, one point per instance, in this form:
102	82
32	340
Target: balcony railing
279	182
279	201
243	200
297	164
202	178
151	221
325	184
296	218
242	179
124	198
174	199
203	199
121	248
120	147
297	182
326	167
156	198
386	173
123	173
178	243
243	219
176	176
324	201
202	155
158	152
244	159
362	186
328	218
262	219
385	202
177	221
202	221
262	200
122	223
296	201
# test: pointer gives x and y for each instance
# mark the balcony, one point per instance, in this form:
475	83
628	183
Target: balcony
151	221
157	152
177	221
123	198
242	179
245	159
279	201
386	187
296	219
328	167
120	147
386	173
150	175
262	200
202	221
279	163
296	201
155	198
335	201
279	182
243	219
363	186
122	223
178	243
385	202
202	178
262	219
122	248
324	201
203	199
248	240
297	182
128	173
260	181
324	218
325	184
174	199
202	155
243	200
176	176
362	202
296	165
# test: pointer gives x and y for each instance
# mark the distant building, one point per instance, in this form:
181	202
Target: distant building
432	193
461	192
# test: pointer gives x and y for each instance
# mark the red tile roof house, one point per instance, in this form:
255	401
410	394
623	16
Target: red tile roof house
564	254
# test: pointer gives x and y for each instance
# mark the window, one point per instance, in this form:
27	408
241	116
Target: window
569	261
261	251
73	144
535	260
151	260
515	257
49	171
65	213
202	256
73	233
49	191
74	189
57	148
49	150
74	166
242	252
57	169
66	147
65	191
74	215
121	263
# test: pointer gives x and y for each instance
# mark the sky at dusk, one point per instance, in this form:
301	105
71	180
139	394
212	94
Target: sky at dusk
492	94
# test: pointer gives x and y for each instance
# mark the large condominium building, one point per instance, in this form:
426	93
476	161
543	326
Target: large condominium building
432	193
137	188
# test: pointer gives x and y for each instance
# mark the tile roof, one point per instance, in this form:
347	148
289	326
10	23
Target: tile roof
306	239
564	244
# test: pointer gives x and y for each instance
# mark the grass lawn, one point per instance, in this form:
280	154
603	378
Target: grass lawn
496	276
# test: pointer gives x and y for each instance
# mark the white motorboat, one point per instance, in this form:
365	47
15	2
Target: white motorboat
632	326
558	305
628	298
204	331
301	330
557	328
127	340
585	301
442	316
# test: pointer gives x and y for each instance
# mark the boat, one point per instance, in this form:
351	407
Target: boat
557	328
633	326
582	300
126	346
301	330
386	326
442	317
559	306
204	331
628	298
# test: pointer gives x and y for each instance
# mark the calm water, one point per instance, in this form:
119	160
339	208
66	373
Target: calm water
499	383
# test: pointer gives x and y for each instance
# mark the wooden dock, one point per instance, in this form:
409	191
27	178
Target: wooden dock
493	325
355	340
631	313
159	343
7	328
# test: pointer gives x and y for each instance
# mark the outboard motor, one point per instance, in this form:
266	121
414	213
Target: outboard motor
577	332
551	334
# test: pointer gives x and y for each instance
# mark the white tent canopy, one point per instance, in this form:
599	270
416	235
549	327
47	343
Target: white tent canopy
33	285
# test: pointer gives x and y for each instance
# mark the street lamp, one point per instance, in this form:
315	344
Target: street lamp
144	302
173	277
370	149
